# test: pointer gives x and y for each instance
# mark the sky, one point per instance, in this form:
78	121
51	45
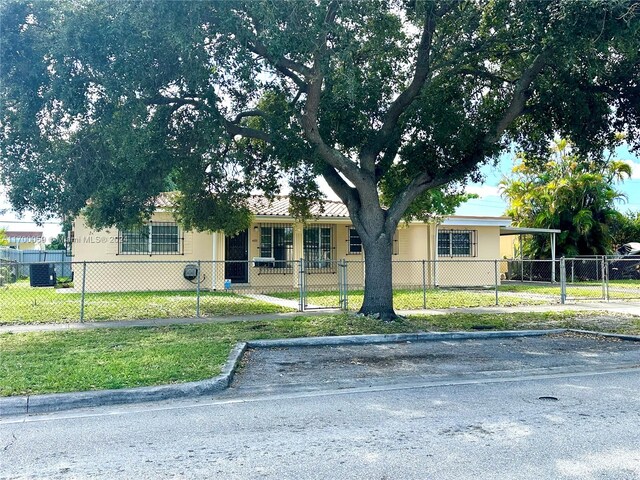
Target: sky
490	202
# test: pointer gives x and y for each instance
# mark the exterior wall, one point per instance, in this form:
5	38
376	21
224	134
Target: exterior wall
29	246
413	244
471	271
327	279
509	246
124	272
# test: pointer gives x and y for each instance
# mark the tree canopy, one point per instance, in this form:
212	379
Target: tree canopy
571	193
626	229
57	243
107	104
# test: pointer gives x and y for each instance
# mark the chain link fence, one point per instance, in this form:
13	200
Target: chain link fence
90	291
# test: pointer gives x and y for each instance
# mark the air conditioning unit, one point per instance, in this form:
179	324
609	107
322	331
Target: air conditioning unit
42	275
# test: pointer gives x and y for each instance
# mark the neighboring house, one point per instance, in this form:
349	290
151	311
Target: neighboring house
263	257
25	240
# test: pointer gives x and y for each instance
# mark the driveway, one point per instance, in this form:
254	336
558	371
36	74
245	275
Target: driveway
267	370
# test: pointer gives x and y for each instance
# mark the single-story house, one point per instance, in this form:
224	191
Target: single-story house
264	257
23	240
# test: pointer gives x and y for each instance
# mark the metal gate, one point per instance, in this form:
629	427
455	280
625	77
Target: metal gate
600	278
322	284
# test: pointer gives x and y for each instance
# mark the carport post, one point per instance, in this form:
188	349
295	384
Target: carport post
521	260
84	277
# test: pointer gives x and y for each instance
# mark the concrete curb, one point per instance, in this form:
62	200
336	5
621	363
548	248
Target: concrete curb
395	338
66	401
621	336
23	405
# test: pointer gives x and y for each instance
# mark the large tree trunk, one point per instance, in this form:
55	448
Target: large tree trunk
378	291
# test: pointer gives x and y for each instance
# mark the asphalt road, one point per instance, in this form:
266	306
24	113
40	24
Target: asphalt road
465	424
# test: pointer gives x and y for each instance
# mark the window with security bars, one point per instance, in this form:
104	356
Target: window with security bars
457	243
318	247
276	242
355	242
154	238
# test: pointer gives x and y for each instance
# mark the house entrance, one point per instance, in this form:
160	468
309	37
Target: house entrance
236	253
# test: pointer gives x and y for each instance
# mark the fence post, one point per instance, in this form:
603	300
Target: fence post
495	278
301	285
198	291
424	284
563	281
605	276
340	286
84	279
344	298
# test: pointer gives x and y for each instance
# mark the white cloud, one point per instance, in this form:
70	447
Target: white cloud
483	191
635	169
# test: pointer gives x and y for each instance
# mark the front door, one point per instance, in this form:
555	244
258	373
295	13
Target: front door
236	252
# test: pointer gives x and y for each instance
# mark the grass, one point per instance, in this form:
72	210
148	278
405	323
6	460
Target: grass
413	299
620	289
42	362
22	304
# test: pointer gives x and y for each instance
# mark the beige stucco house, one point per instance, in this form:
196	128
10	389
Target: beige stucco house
23	240
264	257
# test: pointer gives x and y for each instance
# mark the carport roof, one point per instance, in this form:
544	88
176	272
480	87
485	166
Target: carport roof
526	230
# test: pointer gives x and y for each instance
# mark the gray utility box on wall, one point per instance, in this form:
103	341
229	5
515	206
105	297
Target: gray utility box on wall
191	272
42	275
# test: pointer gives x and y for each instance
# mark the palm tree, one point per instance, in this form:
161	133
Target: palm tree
569	193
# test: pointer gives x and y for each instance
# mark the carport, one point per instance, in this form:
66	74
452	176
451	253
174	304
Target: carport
520	231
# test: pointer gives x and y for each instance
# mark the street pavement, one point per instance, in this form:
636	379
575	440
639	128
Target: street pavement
558	407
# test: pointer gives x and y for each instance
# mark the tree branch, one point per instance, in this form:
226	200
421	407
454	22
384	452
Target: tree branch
423	181
400	104
388	157
347	194
419	184
520	96
179	101
485	74
234	129
282	64
249	113
309	118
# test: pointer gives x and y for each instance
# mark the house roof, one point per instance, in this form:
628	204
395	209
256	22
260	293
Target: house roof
25	234
279	207
260	206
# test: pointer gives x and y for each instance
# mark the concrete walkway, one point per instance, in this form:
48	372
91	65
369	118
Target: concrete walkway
614	308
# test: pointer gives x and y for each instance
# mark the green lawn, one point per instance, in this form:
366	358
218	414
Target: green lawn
22	304
413	299
93	359
621	289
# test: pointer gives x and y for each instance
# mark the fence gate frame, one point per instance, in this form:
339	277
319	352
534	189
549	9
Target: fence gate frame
303	290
